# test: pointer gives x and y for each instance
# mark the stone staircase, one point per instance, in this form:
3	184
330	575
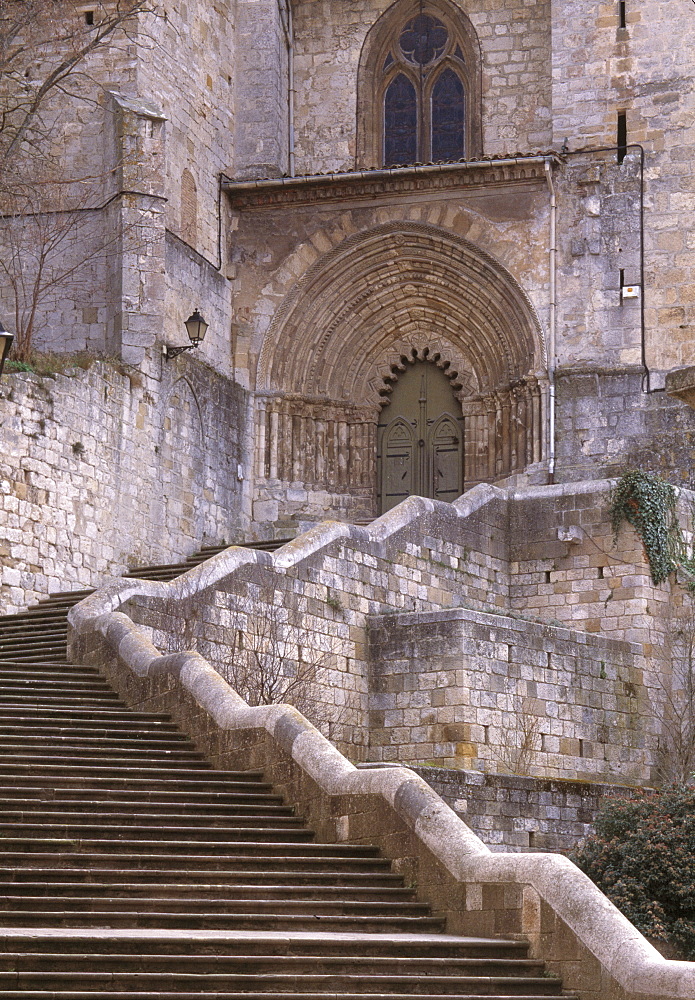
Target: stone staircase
130	868
41	632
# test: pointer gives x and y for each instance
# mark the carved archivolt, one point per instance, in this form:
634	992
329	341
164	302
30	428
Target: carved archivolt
397	291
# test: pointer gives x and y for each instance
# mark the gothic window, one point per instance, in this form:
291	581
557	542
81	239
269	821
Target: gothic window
419	91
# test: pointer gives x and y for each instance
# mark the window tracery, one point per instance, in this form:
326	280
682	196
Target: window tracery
419	88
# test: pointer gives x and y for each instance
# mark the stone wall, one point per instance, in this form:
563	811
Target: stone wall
515	813
607	424
494	694
531	553
601	69
104	470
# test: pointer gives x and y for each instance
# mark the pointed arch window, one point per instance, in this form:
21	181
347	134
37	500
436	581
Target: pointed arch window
447	116
420	62
400	121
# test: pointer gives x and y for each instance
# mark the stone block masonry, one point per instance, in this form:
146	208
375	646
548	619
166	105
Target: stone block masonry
505	631
517	813
104	470
485	692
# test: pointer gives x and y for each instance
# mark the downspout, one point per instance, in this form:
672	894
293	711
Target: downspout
288	28
552	318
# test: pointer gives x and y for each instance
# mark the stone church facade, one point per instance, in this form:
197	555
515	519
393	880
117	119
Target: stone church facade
437	244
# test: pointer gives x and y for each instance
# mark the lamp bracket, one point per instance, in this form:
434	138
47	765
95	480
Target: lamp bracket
173	352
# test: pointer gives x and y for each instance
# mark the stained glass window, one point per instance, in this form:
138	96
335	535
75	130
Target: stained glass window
447	117
400	122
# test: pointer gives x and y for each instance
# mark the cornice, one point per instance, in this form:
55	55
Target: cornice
314	188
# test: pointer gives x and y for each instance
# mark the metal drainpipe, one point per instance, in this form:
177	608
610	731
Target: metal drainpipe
288	28
552	256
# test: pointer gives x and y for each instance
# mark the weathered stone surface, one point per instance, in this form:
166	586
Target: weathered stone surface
104	469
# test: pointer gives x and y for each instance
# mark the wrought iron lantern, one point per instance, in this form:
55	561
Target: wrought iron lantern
196	328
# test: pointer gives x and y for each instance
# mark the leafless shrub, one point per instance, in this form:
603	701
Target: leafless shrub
519	737
274	660
675	710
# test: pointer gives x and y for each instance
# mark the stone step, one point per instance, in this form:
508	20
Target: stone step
70	745
273	844
38	672
71	687
84	736
299	904
39	815
143	795
367	881
58	699
32	615
270	965
229	833
245	945
99	760
206	918
45	646
107	993
34	620
96	773
56	632
157	889
103	723
322	984
257	995
57	856
54	654
50	677
74	713
76	595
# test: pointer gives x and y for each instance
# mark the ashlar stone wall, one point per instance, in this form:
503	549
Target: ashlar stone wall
579	662
103	470
599	70
461	689
518	813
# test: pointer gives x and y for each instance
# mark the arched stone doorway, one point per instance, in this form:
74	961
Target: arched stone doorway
420	439
339	342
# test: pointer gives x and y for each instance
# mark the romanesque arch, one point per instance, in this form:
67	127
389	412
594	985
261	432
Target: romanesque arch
376	303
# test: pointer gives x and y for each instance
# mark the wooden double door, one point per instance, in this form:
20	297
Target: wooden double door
420	439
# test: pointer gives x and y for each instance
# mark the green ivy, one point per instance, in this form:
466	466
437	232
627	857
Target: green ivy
648	503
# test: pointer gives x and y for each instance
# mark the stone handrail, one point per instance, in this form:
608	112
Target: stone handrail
605	933
596	924
194	581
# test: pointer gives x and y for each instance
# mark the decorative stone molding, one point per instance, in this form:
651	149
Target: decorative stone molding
370	184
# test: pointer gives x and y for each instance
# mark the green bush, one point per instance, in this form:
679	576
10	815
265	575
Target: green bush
643	857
